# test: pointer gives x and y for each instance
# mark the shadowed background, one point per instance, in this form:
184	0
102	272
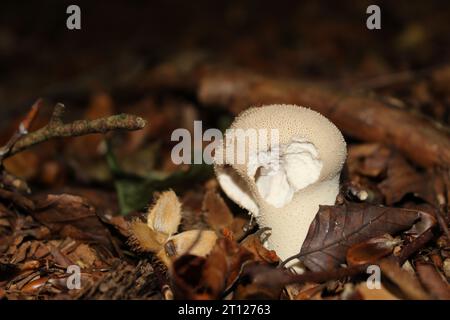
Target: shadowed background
314	40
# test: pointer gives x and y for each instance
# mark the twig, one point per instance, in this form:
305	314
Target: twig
323	276
415	245
278	278
57	128
24	126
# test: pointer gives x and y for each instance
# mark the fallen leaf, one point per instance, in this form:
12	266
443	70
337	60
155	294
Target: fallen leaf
24	165
35	285
21	252
187	275
68	214
363	292
372	250
433	281
407	283
403	179
216	212
84	256
310	291
18	199
369	159
207	278
59	257
215	272
254	244
335	228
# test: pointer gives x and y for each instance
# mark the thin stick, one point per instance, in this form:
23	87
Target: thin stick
57	128
415	245
323	276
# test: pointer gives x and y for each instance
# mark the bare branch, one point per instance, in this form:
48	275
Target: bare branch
57	128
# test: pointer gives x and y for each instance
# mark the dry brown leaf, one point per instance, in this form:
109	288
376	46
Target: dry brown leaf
17	199
433	281
215	272
35	285
362	291
369	159
403	179
253	244
335	228
216	212
372	250
71	215
239	227
207	278
186	276
24	165
407	283
309	291
85	257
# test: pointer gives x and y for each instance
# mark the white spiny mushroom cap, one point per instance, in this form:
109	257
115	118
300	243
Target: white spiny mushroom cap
283	190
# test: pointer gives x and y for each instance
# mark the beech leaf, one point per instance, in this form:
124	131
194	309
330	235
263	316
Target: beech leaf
71	216
338	227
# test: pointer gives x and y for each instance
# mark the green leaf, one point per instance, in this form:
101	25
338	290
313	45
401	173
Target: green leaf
135	192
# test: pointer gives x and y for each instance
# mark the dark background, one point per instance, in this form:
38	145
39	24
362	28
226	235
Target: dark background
324	41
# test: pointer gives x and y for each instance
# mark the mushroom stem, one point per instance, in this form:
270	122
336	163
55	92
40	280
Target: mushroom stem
290	224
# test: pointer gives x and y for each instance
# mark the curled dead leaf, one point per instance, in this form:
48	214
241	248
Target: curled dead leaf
34	285
371	250
254	244
216	212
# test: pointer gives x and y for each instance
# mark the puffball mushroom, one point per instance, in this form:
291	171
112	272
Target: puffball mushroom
282	183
